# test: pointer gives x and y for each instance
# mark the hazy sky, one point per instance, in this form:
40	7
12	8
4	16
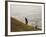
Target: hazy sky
29	11
23	10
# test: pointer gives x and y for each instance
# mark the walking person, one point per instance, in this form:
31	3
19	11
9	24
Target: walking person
26	21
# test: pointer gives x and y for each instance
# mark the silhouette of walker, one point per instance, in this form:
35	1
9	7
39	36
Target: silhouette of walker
26	21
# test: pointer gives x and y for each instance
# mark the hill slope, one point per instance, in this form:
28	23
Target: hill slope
19	26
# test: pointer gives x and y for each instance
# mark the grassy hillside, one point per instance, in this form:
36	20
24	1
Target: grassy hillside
19	26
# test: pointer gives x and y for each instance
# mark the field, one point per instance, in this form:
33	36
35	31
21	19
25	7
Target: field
17	26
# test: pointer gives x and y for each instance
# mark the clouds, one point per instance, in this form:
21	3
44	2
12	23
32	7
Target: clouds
21	10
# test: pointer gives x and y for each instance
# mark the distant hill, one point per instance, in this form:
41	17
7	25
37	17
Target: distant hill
17	25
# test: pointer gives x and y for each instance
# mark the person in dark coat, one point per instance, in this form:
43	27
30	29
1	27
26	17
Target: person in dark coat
26	21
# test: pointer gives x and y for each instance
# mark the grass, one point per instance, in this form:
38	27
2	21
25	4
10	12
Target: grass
17	26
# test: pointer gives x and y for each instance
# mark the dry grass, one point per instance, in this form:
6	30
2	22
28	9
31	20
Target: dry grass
19	26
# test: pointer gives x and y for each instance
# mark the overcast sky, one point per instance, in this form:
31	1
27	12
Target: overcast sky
23	10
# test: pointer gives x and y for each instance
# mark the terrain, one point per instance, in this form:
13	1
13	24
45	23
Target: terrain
17	26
